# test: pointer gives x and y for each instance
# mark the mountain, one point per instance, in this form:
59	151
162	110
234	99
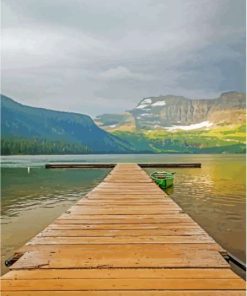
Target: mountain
25	124
165	124
177	112
175	124
111	122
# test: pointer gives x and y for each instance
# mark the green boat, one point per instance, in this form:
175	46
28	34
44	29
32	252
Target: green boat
163	179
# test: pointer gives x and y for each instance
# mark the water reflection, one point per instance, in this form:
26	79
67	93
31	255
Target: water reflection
213	195
31	201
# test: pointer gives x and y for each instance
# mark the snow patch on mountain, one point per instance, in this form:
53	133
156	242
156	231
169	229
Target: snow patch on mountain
144	104
204	124
147	101
159	103
145	114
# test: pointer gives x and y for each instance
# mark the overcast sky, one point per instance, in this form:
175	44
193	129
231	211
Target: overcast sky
103	56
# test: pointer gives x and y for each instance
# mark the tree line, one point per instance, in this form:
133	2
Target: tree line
15	146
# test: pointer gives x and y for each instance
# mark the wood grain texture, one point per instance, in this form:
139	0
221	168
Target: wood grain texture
127	293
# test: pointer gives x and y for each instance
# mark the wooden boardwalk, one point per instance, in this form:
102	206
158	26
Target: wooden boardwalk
127	237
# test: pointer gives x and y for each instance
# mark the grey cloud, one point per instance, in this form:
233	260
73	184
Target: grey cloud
103	56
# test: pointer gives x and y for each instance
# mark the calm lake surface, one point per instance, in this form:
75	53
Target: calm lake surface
214	195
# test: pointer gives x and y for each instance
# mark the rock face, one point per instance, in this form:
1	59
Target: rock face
168	111
111	122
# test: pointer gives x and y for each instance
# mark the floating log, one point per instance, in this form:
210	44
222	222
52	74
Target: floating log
79	165
170	165
112	165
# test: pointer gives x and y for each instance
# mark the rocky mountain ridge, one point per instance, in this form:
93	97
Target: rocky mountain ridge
178	112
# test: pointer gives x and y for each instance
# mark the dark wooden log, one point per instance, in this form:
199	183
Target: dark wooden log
170	165
79	165
112	165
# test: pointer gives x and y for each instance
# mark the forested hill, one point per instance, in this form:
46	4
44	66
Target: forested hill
32	130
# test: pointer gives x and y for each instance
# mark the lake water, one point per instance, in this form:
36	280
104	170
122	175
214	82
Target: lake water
214	195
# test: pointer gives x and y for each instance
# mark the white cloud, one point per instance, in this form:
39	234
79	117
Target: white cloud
120	72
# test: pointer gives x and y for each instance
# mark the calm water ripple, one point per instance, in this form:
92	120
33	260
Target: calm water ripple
214	196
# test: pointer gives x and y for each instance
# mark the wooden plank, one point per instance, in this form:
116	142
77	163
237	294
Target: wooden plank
137	222
124	219
121	211
125	180
115	190
133	186
127	293
78	220
180	273
169	216
164	207
113	233
165	227
121	256
132	203
121	284
115	206
136	247
105	240
127	199
121	196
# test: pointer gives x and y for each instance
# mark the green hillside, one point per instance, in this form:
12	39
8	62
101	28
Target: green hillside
65	131
223	139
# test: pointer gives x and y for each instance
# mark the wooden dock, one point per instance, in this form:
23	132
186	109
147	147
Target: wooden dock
126	237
